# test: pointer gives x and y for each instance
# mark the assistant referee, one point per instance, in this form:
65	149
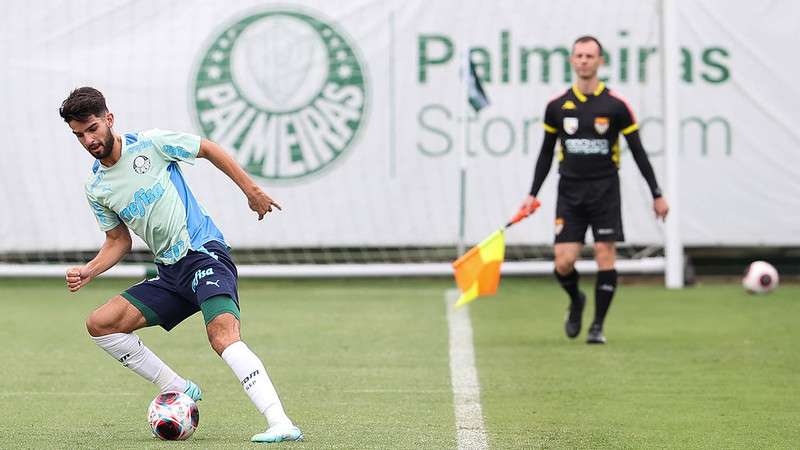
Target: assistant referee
587	119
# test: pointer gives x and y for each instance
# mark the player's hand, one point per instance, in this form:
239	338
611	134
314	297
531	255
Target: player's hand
261	203
77	277
529	206
661	208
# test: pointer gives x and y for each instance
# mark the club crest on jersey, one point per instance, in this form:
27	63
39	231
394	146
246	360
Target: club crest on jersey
559	225
601	124
141	164
570	125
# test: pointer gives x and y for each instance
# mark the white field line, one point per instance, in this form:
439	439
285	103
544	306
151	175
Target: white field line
470	430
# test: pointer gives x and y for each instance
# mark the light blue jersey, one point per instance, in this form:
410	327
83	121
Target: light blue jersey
146	191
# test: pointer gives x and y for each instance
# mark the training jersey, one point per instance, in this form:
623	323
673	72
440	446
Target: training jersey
588	128
146	191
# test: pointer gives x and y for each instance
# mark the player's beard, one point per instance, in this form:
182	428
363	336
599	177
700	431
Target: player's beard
108	147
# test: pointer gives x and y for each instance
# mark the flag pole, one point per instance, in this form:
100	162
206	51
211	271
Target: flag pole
462	156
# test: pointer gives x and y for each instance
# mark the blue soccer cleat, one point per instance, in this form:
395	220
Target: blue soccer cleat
193	390
279	433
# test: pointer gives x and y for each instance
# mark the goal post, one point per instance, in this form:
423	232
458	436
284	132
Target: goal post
673	250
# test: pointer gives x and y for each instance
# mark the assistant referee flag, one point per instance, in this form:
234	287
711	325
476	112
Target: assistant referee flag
478	271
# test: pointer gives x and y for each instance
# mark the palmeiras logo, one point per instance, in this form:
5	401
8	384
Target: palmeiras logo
141	164
283	90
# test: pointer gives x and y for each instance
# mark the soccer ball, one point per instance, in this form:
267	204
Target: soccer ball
173	416
760	278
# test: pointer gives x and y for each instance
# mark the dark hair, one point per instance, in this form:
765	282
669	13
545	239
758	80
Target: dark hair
82	103
588	38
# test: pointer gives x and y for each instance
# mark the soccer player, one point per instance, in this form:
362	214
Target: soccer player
136	184
588	119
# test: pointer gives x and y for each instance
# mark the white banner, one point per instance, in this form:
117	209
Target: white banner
349	114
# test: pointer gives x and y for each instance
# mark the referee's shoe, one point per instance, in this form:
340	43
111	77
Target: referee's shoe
595	335
572	326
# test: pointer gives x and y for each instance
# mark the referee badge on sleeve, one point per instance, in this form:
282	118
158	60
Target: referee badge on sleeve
601	124
570	125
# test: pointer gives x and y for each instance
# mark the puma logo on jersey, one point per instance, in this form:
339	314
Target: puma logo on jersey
215	283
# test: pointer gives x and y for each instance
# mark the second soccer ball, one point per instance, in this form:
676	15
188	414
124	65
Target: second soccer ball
761	277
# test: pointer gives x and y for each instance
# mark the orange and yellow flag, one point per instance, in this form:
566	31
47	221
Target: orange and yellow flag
478	271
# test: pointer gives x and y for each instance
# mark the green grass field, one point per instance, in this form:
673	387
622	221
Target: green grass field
364	364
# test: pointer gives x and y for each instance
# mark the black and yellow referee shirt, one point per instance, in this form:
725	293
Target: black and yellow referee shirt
588	128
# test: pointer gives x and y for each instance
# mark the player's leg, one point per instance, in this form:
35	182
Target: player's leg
216	292
566	254
605	254
222	325
111	327
605	287
570	229
606	223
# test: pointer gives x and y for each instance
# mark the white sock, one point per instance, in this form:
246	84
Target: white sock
255	381
128	349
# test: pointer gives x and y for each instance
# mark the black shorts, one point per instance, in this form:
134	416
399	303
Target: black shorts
179	289
584	203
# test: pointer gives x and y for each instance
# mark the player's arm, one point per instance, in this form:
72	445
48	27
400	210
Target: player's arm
543	164
630	129
545	159
660	205
115	247
259	202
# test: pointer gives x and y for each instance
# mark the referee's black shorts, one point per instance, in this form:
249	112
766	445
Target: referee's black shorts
583	203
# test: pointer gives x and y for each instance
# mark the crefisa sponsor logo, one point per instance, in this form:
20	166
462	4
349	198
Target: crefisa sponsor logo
284	90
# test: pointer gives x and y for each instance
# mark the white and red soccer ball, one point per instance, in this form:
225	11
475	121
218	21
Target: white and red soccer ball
760	278
173	416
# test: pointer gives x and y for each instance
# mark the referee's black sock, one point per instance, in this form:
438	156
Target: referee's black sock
603	293
570	284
